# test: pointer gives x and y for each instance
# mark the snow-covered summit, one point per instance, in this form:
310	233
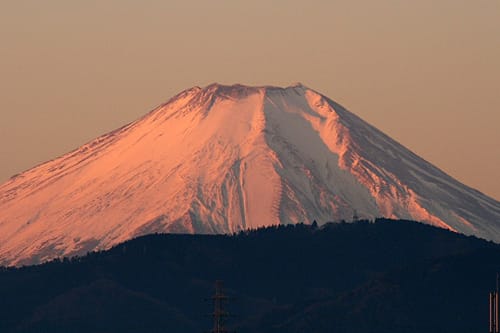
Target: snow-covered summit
225	158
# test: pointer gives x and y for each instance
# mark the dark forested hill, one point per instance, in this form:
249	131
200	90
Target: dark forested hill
386	276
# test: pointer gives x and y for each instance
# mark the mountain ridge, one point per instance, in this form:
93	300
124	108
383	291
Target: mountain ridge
225	158
434	280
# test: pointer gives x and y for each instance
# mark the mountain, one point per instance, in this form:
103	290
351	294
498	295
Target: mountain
221	159
385	276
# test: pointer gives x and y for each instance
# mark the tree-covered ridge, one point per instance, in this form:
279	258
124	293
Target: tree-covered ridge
343	277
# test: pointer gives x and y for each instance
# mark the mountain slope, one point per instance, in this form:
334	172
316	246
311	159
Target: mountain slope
226	158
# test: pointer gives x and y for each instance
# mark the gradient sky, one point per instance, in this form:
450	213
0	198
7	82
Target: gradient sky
425	72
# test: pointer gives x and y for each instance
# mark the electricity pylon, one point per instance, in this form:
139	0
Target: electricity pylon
220	314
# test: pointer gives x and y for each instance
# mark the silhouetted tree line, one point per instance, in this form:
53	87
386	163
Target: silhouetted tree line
379	276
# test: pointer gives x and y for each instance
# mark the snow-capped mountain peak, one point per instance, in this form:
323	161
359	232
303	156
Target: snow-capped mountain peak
225	158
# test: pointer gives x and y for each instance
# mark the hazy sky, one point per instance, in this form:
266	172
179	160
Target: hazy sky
425	72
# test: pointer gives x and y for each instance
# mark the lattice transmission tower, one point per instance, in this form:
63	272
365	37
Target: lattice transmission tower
220	314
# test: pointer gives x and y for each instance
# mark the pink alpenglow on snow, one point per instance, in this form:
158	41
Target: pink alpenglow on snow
221	159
